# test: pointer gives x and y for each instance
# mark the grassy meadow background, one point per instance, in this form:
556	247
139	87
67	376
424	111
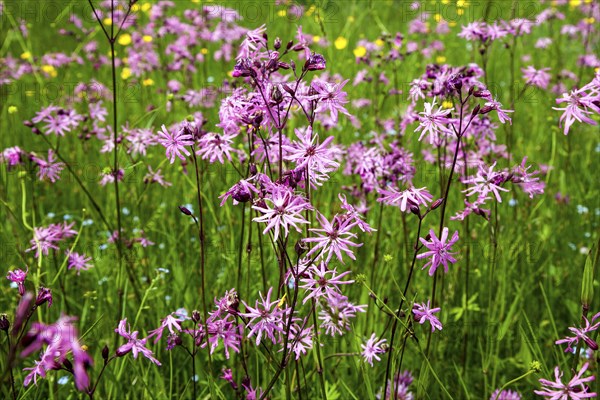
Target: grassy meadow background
499	312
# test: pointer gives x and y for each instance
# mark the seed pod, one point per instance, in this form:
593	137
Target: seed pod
587	283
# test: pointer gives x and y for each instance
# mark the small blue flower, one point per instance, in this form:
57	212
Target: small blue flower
582	209
63	380
51	215
67	217
87	222
512	202
125	211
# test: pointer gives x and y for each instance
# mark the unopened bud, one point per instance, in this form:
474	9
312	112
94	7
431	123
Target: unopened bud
105	351
185	210
67	364
436	204
196	316
276	95
4	323
415	209
301	247
486	110
476	110
277	43
44	296
287	88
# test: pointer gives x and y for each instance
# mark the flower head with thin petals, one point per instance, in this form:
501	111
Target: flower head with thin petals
439	250
575	389
134	345
175	143
424	313
372	347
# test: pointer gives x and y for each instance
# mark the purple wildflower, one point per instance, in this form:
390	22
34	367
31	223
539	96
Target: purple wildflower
432	122
322	282
333	238
133	345
582	333
282	209
423	313
266	318
574	390
78	261
175	143
535	77
439	250
18	276
372	348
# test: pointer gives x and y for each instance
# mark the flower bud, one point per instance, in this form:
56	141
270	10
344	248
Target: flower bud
482	93
196	316
315	62
105	351
476	110
301	247
277	43
185	210
415	209
44	296
289	45
253	169
436	204
4	323
28	124
67	364
276	95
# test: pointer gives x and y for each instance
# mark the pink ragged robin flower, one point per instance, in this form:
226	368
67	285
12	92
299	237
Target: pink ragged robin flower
424	313
575	389
439	250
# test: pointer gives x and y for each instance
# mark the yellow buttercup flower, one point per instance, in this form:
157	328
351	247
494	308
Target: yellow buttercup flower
360	51
316	38
204	50
437	17
447	104
146	7
379	42
107	21
26	55
12	109
125	73
50	70
147	38
282	13
574	3
124	39
148	82
340	43
440	59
